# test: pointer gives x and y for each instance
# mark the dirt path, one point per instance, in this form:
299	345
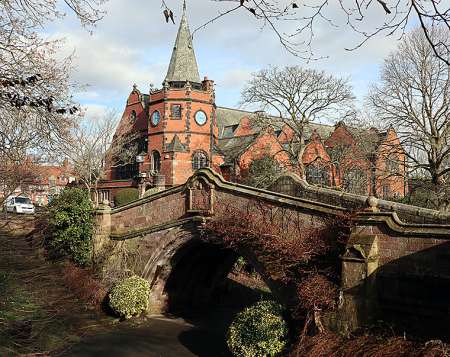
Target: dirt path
38	314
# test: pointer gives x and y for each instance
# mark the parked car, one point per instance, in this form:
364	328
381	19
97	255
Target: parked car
19	204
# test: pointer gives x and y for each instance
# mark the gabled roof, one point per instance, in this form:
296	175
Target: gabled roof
183	65
175	145
232	148
228	119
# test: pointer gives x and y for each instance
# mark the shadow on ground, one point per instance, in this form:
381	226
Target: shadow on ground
157	336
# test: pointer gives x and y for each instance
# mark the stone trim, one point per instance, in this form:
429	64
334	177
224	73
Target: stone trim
393	222
149	198
156	228
407	213
388	219
194	100
178	132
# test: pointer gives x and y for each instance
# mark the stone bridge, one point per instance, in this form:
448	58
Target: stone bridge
396	264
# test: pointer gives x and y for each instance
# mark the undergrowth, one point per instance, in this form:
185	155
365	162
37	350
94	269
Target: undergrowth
303	260
40	314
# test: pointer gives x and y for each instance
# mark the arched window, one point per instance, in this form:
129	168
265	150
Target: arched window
156	161
392	165
317	174
199	160
133	116
355	181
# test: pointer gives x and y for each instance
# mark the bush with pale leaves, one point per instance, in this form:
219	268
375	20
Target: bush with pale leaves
130	297
258	331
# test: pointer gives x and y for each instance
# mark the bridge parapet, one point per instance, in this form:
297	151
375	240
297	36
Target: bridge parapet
291	184
389	265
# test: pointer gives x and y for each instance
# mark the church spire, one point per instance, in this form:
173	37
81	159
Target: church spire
183	65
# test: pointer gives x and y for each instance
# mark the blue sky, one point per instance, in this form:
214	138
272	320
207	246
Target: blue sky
133	44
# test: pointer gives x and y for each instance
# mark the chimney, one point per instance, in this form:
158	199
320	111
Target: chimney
207	84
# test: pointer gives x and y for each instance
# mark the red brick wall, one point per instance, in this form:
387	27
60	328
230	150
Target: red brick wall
397	185
266	144
244	128
177	167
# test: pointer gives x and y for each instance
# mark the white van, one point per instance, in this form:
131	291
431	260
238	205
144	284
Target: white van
19	204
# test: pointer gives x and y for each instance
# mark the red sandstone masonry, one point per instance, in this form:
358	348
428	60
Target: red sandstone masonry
399	260
148	213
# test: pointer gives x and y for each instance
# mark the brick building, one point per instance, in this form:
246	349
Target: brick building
181	129
44	182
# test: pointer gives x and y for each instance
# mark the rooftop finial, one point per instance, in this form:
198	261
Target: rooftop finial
183	65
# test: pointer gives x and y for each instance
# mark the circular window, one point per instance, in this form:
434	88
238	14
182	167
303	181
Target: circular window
133	116
200	117
156	117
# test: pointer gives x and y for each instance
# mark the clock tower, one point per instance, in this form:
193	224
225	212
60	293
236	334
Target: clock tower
182	128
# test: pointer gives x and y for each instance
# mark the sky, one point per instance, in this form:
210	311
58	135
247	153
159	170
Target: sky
132	44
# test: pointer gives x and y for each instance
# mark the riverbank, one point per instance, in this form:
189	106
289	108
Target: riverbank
38	314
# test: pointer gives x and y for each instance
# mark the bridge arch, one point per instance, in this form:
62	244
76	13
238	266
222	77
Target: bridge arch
185	271
164	229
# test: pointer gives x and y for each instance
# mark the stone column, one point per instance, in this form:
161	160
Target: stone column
359	305
159	181
102	230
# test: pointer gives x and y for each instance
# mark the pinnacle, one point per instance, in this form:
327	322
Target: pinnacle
183	64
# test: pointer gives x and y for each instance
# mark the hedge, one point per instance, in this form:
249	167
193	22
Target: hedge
126	195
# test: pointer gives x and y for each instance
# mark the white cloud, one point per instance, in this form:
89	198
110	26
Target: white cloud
93	112
132	44
233	78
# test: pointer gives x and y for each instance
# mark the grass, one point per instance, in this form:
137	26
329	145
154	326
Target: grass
38	314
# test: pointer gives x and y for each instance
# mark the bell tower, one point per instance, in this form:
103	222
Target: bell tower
182	129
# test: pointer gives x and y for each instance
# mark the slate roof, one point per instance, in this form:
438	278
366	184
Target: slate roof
228	119
232	148
183	65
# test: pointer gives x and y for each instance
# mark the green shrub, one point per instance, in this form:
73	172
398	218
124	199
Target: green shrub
126	195
129	297
259	330
151	191
71	223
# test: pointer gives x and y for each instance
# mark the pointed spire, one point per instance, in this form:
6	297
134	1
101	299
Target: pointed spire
183	65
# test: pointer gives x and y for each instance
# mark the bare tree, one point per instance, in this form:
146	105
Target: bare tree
23	142
414	97
13	176
36	108
297	97
30	77
92	147
367	18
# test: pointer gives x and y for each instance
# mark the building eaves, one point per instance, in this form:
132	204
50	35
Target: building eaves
233	148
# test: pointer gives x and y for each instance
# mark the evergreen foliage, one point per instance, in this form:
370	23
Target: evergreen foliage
125	196
258	331
71	223
263	172
130	297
